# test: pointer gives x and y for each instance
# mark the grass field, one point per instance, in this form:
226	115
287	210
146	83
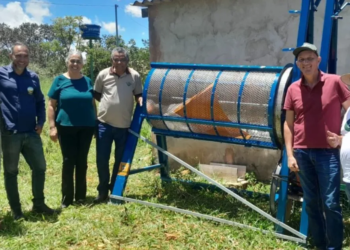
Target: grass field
133	226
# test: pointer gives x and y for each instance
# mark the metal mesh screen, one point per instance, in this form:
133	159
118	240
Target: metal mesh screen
200	86
153	92
255	98
226	95
253	106
172	97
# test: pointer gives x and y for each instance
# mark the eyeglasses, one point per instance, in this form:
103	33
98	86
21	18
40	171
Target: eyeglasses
119	60
306	60
21	56
75	61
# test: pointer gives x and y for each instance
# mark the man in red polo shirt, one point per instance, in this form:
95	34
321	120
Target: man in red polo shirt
313	107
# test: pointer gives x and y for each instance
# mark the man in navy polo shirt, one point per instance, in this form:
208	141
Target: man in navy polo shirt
313	107
23	116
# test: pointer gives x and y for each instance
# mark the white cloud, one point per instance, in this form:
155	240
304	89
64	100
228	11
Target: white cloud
143	33
86	20
110	27
14	15
37	9
133	11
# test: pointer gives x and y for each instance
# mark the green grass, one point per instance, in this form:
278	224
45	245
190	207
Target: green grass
133	226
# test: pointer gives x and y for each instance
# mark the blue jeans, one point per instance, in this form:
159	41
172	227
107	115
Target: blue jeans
320	179
30	146
106	134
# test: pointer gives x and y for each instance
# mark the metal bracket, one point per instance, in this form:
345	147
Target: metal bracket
294	11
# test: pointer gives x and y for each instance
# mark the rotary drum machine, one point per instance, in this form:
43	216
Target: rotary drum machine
231	104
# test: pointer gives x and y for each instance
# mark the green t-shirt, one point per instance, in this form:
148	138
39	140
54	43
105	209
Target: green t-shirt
74	101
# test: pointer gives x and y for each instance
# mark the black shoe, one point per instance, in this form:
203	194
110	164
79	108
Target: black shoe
43	209
17	215
101	198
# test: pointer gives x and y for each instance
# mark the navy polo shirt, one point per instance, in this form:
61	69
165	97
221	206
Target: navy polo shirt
22	102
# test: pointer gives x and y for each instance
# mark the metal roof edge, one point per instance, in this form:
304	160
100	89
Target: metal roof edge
147	3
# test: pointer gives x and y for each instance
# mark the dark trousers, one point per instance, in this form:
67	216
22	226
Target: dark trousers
320	179
75	144
30	146
104	140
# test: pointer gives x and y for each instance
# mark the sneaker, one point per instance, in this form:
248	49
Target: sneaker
43	209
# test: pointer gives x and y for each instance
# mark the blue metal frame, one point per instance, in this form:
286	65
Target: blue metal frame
184	99
149	168
217	67
327	34
271	109
247	143
128	155
145	91
163	159
161	95
328	53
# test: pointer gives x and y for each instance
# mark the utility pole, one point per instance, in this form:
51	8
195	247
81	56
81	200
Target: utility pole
116	25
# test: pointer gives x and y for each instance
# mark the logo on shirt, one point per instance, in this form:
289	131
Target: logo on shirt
347	125
30	90
128	83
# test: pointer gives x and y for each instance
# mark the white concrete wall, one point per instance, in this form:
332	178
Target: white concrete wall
247	32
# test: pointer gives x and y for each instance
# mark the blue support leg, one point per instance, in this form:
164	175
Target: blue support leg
283	192
125	165
163	159
304	223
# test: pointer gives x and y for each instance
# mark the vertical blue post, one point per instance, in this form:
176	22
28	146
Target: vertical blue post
310	26
163	159
333	54
327	35
302	32
283	191
128	155
304	223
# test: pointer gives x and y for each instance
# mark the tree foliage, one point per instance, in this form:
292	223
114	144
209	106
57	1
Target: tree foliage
49	45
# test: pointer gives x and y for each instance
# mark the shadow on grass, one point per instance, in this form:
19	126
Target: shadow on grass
35	217
10	227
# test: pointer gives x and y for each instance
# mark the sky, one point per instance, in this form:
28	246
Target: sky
101	12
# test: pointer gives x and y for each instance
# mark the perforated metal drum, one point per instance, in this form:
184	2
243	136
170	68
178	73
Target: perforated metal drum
237	104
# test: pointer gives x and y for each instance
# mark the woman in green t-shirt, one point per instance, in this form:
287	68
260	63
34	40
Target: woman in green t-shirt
72	119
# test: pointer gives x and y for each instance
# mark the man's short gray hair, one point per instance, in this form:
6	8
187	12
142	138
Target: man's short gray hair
73	53
18	44
122	51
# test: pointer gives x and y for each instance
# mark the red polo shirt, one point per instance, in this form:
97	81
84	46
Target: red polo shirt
316	110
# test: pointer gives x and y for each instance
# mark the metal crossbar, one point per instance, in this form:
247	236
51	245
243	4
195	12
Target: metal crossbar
204	216
245	202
